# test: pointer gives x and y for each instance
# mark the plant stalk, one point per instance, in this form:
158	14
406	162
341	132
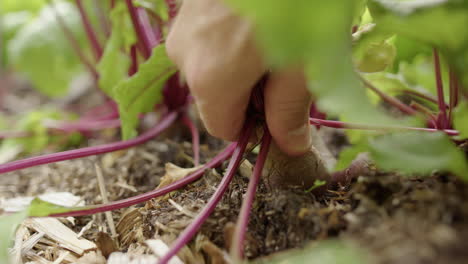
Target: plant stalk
192	229
237	250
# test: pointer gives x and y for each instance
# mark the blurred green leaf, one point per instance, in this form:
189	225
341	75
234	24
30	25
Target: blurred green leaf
408	49
372	50
439	23
8	6
316	34
139	93
324	252
114	63
42	53
39	138
418	152
420	73
8	225
460	119
10	23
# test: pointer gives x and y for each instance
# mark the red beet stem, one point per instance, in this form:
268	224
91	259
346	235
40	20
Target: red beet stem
193	228
89	151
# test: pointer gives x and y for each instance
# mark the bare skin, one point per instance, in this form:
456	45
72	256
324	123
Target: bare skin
216	52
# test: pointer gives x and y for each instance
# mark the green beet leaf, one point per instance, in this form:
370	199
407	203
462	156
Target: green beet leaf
43	54
418	152
460	119
139	93
114	63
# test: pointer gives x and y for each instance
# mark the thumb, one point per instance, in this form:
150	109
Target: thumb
287	104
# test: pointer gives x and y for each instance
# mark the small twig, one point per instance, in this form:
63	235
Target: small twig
102	190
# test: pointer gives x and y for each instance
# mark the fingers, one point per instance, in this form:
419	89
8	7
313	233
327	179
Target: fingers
287	104
215	51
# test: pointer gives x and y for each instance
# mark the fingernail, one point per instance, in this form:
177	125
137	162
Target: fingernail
299	139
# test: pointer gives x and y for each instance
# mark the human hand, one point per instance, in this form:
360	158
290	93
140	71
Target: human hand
216	52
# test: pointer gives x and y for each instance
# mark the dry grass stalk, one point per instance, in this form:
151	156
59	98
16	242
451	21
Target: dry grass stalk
105	199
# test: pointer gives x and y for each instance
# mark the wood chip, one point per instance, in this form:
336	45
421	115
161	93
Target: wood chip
61	234
160	249
124	258
175	173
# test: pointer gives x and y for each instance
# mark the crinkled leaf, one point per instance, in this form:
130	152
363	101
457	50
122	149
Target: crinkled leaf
418	152
460	119
114	63
139	93
8	225
43	54
325	252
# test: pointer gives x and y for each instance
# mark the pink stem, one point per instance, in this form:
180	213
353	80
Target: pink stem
343	125
195	138
147	28
241	228
440	91
90	33
389	99
88	210
422	96
192	229
74	42
89	151
140	30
